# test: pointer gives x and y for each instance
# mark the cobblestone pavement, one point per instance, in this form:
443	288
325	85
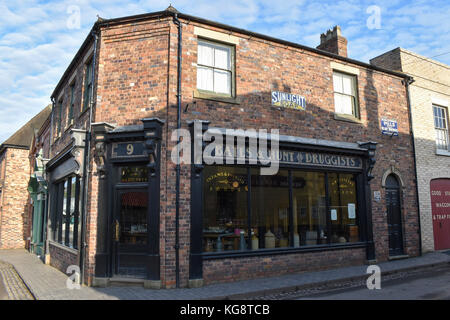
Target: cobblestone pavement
48	283
12	284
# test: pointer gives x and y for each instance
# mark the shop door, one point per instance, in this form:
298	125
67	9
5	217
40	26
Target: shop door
37	239
394	216
130	233
440	204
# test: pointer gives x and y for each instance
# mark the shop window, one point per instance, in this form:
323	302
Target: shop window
323	209
270	210
345	94
441	126
65	215
309	208
214	68
225	222
343	208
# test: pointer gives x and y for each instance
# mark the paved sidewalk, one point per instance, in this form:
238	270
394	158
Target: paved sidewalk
47	283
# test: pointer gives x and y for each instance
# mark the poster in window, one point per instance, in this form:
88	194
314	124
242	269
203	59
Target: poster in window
333	214
351	211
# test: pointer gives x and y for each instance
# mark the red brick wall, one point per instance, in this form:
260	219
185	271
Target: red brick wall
61	258
14	214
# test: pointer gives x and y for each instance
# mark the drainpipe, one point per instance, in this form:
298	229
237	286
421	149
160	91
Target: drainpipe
86	161
48	195
177	201
408	82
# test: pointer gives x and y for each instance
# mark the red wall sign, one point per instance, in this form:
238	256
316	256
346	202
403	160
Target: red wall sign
440	203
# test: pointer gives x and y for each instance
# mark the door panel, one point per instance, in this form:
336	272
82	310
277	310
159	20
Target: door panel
394	218
131	235
440	203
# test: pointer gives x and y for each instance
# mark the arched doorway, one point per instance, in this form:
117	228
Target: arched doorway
394	216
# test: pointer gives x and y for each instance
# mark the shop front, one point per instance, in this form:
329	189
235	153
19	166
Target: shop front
128	167
317	201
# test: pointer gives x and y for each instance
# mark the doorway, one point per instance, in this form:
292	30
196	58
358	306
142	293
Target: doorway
440	204
394	216
130	227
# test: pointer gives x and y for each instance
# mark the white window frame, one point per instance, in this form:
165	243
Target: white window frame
213	67
353	95
441	127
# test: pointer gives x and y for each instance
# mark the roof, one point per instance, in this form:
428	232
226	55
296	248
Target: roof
22	138
171	11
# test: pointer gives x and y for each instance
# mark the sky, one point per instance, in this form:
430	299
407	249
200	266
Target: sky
38	39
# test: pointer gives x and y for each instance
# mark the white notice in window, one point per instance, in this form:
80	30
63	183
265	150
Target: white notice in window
351	211
333	214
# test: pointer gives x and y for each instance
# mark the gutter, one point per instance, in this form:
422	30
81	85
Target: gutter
178	169
408	82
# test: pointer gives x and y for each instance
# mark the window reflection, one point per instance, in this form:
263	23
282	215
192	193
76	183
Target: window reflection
309	208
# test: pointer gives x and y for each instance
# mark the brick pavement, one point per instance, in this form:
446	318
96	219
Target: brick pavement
47	283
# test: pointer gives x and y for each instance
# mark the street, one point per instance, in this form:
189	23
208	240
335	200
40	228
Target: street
432	285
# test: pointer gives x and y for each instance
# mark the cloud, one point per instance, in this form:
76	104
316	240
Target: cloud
36	46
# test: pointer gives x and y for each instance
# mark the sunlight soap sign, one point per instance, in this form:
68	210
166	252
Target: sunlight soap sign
288	100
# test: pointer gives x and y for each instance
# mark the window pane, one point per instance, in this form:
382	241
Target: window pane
222	81
270	210
347	104
222	58
347	84
337	82
205	79
205	54
343	209
64	213
225	215
309	208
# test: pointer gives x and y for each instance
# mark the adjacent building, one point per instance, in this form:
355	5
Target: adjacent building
14	175
430	100
120	207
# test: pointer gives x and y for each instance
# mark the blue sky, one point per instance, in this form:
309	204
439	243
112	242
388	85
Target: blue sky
38	39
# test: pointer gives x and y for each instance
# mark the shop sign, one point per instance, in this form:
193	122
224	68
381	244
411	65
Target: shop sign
288	100
389	127
297	157
128	149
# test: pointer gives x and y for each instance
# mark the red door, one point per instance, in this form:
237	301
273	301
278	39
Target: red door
440	204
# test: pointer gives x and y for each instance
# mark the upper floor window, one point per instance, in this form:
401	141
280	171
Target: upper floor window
59	122
214	67
441	126
345	94
71	105
88	85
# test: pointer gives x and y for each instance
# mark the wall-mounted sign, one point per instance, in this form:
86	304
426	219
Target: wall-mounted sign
288	100
127	149
291	157
377	196
389	127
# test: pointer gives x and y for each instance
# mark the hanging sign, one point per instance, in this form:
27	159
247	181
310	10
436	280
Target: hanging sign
288	100
389	127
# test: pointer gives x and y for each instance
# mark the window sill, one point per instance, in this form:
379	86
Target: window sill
83	112
287	250
346	117
63	247
441	152
207	95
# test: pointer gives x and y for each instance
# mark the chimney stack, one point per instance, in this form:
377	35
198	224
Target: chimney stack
333	42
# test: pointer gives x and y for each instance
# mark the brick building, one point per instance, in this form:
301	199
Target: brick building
14	175
142	216
430	100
